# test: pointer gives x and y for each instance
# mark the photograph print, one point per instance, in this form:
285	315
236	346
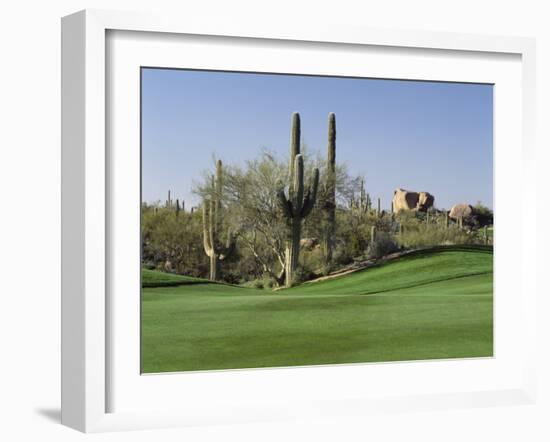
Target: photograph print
299	220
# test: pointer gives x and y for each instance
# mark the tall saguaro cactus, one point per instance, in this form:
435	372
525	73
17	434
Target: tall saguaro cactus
211	224
299	202
330	203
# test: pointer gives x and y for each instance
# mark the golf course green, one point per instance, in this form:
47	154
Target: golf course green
431	304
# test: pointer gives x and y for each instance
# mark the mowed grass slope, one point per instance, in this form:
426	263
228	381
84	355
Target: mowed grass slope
151	278
431	305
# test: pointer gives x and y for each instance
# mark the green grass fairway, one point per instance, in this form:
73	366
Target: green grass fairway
430	305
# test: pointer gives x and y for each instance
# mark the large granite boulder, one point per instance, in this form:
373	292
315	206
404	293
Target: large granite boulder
408	200
461	211
309	243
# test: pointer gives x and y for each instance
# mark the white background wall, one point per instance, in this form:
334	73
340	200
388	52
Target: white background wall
30	214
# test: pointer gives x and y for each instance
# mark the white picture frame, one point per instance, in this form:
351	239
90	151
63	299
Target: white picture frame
87	355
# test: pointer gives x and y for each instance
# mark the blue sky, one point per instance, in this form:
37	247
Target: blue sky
428	136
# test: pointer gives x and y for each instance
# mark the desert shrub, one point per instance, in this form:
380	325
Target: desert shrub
353	232
176	238
429	236
409	219
341	256
312	261
480	209
269	282
254	283
231	277
265	282
383	244
327	268
240	265
479	235
302	274
483	216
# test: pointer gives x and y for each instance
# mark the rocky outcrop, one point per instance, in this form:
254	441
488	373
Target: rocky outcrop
309	243
461	211
408	200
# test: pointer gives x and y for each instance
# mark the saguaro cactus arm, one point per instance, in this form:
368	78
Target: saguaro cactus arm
311	195
295	134
212	228
300	200
363	197
298	184
284	203
331	139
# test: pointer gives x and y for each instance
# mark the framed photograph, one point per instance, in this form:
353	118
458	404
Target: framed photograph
262	224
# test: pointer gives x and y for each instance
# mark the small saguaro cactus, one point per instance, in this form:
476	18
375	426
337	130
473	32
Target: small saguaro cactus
363	199
177	207
361	205
378	211
299	202
330	202
216	250
362	196
373	234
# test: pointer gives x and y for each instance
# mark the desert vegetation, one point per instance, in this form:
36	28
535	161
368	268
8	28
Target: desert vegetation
291	261
276	222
